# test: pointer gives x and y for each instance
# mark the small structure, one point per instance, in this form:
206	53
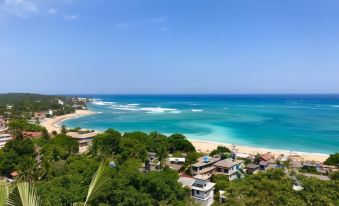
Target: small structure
31	134
252	168
264	157
175	163
310	165
39	116
151	164
294	164
2	122
60	102
112	164
4	138
204	166
84	139
222	197
202	190
229	167
14	174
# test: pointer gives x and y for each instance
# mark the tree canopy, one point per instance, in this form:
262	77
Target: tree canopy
333	159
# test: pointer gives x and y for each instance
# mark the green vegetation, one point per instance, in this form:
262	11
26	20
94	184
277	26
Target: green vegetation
23	105
275	188
14	153
62	176
333	159
50	169
221	150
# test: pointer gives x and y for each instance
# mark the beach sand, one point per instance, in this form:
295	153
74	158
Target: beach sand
206	147
52	124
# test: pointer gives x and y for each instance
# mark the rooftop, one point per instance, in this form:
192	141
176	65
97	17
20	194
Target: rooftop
227	163
186	181
76	135
201	161
252	166
267	156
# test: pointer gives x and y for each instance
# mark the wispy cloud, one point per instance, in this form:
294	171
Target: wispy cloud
164	28
71	17
52	11
21	8
158	19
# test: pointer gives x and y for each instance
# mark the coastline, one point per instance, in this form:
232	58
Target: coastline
53	124
207	146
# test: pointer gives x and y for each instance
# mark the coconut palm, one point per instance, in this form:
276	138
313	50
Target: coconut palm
97	185
25	193
4	193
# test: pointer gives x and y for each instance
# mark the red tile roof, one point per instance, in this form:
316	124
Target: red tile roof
32	134
266	156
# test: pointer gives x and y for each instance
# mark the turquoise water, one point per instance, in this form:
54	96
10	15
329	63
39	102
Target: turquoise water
308	123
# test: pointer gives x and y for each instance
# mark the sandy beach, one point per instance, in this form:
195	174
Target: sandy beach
206	147
52	124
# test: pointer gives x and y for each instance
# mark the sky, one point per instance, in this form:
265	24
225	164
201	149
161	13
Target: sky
169	46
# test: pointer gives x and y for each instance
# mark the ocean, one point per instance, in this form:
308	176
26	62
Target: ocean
307	123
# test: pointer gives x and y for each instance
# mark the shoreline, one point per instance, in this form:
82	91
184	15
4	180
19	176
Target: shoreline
208	146
52	124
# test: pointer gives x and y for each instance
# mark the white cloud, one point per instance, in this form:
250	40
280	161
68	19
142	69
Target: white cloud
71	17
52	11
21	8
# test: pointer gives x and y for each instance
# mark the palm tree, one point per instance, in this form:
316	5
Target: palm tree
97	185
28	170
4	193
25	193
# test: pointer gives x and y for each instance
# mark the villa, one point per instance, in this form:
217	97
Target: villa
84	138
252	168
202	190
230	167
4	138
204	166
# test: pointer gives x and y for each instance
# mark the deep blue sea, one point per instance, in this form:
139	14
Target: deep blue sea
308	123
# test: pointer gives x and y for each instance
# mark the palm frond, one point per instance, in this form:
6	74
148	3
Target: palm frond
4	193
98	183
24	195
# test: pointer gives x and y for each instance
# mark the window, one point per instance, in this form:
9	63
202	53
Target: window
225	170
218	169
198	192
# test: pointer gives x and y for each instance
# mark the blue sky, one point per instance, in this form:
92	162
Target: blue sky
173	46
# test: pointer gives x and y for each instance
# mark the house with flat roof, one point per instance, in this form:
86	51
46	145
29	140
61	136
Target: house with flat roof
4	138
84	139
204	166
202	190
230	167
252	168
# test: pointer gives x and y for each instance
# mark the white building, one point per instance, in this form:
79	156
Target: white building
204	166
229	167
202	190
84	139
60	102
4	138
